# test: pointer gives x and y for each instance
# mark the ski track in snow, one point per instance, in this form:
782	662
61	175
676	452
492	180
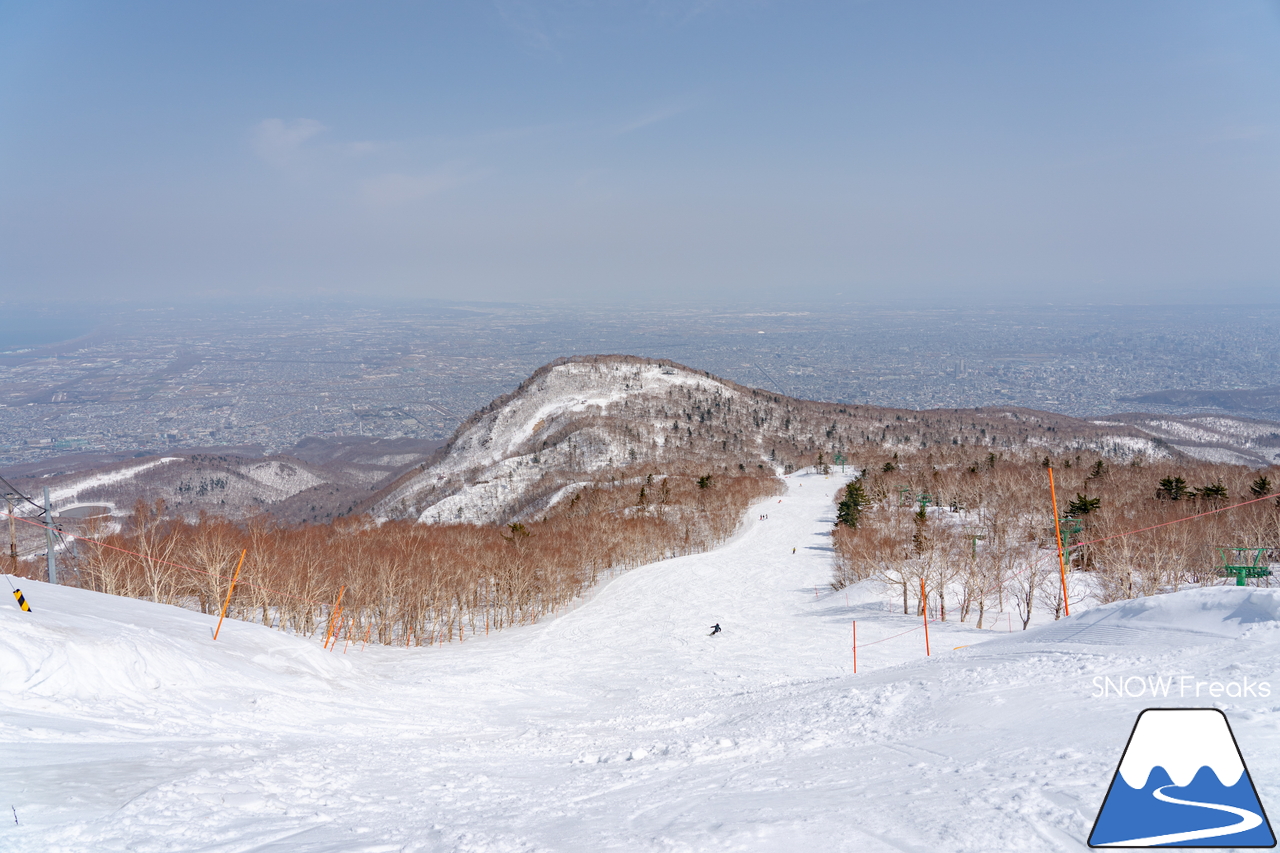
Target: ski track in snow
617	725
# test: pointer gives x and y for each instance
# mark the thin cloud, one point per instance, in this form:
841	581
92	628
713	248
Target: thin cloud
278	141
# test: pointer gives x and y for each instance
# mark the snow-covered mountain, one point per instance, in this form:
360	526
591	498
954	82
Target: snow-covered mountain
316	481
569	425
594	419
1213	438
592	422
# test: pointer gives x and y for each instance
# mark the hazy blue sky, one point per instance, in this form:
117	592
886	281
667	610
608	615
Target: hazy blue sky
668	150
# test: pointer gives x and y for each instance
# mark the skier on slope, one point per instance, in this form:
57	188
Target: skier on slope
715	629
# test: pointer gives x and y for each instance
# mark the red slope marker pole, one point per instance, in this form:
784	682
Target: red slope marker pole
232	589
1057	529
924	607
855	646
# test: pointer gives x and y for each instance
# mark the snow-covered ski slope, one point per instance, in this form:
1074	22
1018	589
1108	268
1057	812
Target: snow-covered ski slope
618	725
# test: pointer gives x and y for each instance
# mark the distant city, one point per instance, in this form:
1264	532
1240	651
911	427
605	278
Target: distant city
166	378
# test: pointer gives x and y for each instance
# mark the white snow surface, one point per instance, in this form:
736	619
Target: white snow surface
617	725
1183	430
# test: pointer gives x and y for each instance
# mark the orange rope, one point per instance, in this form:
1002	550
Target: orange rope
1176	520
891	636
1037	559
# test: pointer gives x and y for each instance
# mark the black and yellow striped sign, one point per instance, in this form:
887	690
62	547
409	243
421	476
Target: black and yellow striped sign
22	602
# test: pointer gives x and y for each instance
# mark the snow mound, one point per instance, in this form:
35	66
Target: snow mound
1208	614
87	647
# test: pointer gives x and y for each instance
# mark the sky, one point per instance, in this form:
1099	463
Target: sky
664	151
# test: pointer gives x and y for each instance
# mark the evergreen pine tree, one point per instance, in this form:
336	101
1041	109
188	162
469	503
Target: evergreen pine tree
849	510
1083	505
1172	489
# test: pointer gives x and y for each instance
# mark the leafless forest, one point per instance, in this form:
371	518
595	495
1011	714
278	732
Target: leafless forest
985	539
402	582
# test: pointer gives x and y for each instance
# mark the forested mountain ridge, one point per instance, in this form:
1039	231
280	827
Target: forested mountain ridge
590	420
585	421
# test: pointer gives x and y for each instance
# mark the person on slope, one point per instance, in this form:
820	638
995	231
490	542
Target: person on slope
715	629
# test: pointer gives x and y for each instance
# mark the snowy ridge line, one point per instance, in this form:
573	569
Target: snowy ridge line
158	560
108	477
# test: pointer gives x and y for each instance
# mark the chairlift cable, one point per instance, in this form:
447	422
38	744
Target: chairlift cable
17	492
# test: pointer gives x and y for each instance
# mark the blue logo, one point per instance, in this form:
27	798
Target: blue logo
1182	782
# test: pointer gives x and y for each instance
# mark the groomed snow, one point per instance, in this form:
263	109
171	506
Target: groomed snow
618	725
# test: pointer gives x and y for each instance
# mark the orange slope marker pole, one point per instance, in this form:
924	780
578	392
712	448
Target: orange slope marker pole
337	605
337	630
924	607
855	646
227	603
1057	529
